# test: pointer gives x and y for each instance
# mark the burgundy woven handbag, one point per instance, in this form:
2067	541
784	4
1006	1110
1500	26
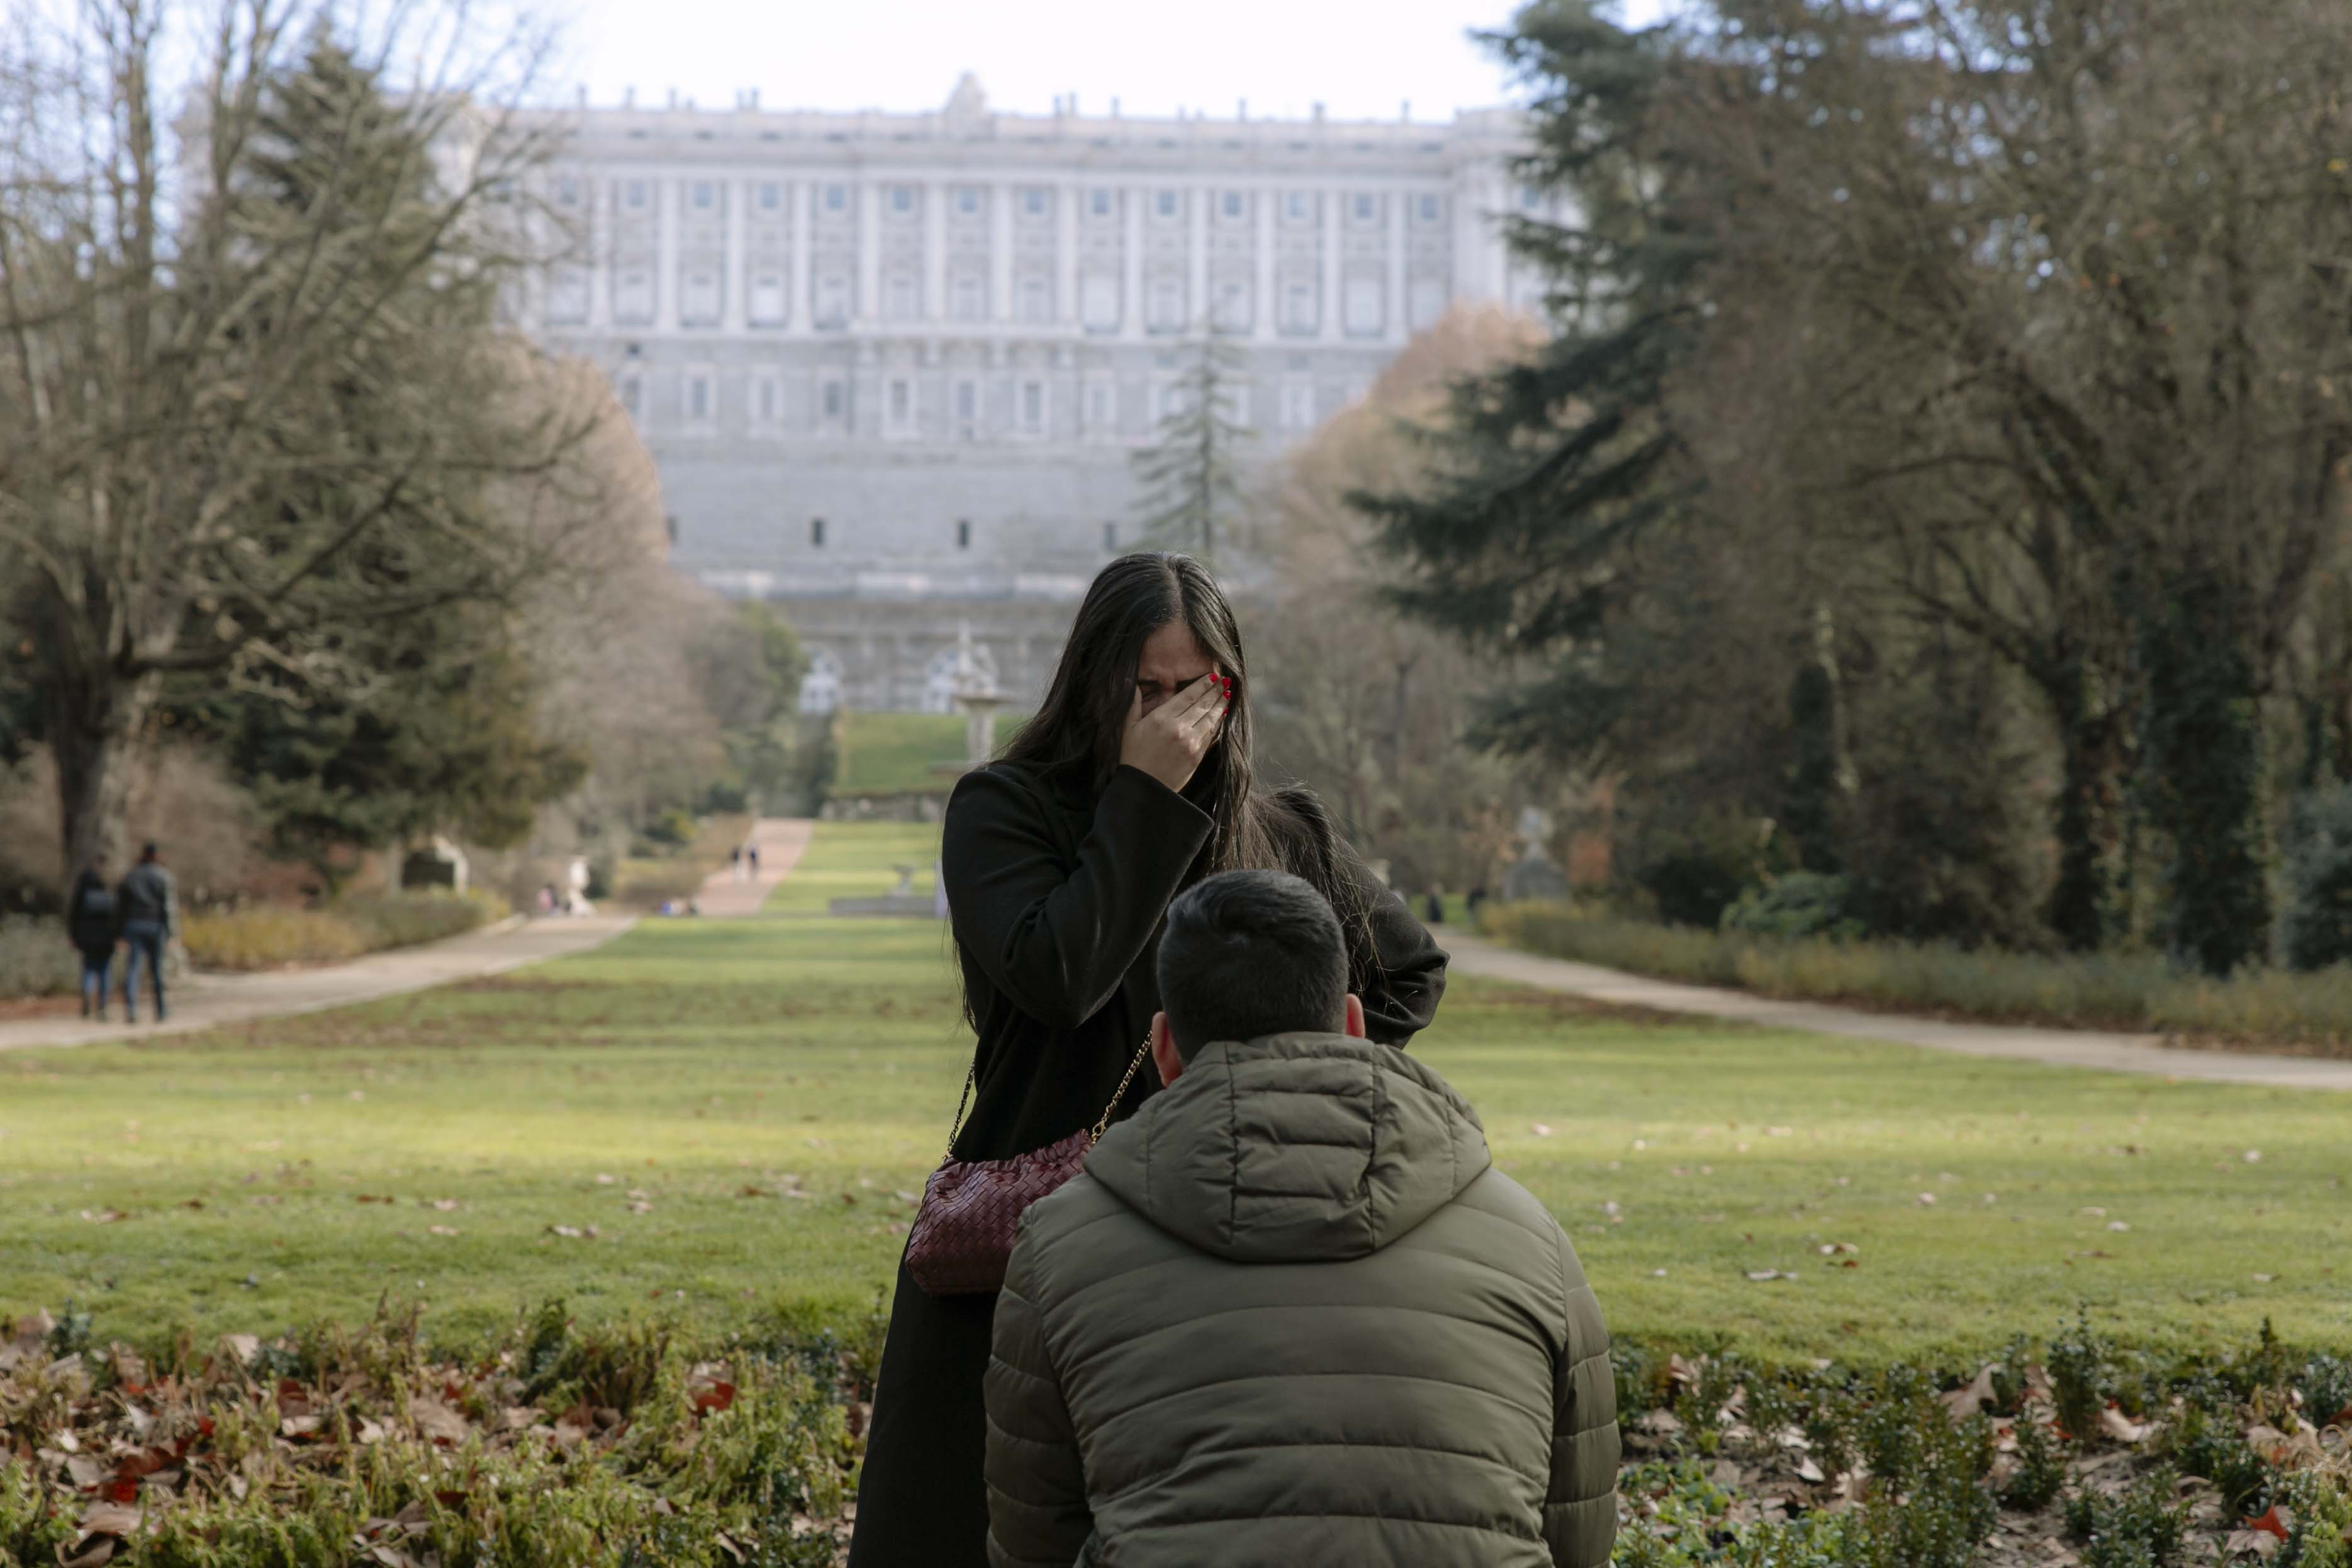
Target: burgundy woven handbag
962	1234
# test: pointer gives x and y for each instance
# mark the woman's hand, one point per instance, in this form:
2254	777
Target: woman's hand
1170	741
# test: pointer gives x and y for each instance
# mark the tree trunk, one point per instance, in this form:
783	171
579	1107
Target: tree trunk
2083	906
94	733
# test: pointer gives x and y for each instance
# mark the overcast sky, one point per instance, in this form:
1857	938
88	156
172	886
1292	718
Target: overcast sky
1362	59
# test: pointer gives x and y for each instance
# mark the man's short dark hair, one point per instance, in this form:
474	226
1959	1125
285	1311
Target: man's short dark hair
148	851
1249	953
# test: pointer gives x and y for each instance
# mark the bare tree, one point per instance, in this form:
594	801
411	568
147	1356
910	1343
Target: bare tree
254	391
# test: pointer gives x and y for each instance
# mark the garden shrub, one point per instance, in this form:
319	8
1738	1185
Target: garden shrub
1800	904
2204	1441
2041	1473
36	959
2315	928
2140	1527
2079	1374
2091	991
269	937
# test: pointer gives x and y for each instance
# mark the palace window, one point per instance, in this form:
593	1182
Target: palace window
1033	408
967	408
1429	209
772	196
1299	308
902	199
1298	404
767	299
1298	204
1033	201
1367	207
705	196
1232	202
1036	300
697	396
898	406
1166	304
636	194
1165	203
968	200
970	297
1098	203
836	198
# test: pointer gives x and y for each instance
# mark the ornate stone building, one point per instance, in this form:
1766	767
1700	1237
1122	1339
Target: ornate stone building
892	366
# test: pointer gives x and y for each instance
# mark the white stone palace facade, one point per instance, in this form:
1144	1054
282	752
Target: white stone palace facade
892	367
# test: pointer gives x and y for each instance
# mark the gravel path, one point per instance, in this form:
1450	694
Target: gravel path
2060	1048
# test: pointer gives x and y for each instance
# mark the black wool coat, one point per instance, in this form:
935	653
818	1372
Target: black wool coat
1056	899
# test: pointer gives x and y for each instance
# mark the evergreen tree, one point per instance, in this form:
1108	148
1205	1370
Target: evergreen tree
2202	753
1191	475
1552	473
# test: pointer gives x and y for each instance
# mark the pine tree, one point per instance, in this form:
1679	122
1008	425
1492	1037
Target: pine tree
1191	476
1552	470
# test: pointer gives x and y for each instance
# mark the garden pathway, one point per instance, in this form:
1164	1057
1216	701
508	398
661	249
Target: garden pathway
206	1001
780	840
2060	1048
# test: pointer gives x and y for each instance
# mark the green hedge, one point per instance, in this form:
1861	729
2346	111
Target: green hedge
271	938
36	959
2106	990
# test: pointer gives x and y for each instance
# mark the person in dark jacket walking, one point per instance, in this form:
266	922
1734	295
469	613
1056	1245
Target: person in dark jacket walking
1291	1313
90	923
1131	784
148	907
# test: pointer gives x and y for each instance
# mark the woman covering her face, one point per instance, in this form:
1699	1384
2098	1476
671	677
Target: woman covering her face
1132	782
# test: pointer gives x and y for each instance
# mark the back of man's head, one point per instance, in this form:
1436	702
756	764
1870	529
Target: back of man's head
1249	953
149	853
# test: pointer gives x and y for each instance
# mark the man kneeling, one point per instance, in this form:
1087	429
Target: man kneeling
1291	1314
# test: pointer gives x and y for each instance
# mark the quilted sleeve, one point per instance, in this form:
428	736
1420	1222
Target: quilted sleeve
1037	1512
1581	1508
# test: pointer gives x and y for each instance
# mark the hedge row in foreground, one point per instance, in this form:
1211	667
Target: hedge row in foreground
621	1448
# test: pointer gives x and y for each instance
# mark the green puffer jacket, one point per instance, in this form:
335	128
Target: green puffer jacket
1292	1316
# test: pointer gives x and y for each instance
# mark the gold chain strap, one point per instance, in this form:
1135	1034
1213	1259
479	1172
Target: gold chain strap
1120	1093
971	1072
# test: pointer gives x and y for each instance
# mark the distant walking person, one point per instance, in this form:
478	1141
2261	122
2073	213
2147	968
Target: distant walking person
90	922
735	861
148	907
751	853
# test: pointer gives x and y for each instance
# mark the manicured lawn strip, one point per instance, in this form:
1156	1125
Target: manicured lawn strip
888	751
856	859
691	1060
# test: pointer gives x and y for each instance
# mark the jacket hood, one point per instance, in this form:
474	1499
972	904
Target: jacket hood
1293	1148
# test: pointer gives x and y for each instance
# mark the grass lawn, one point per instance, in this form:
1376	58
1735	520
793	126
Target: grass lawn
736	1107
886	752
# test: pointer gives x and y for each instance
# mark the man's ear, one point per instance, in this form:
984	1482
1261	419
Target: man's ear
1164	1051
1354	1026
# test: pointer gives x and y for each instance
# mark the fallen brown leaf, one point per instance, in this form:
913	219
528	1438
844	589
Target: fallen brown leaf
1963	1403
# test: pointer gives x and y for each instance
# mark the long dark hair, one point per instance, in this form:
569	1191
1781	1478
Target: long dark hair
1077	732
